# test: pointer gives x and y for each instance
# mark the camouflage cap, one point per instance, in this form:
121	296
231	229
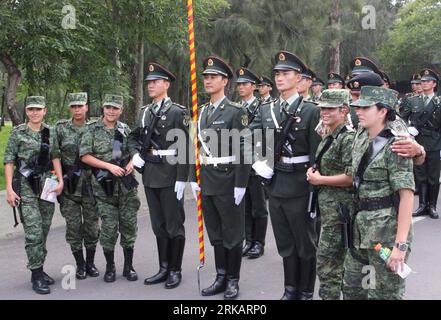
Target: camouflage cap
334	98
35	102
77	99
371	95
113	100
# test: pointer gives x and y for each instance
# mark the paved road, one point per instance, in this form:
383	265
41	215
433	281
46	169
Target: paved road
261	279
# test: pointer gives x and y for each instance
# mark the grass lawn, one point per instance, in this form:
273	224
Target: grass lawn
4	135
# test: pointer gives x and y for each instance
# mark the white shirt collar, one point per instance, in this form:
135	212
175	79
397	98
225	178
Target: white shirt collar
290	100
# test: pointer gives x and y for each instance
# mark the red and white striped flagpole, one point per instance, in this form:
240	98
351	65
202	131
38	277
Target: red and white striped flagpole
194	100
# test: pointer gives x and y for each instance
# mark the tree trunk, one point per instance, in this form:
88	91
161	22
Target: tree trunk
14	78
334	21
136	86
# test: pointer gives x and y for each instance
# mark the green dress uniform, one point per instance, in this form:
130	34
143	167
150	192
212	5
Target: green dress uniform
378	175
76	201
335	155
424	116
31	150
160	174
222	172
117	208
256	212
294	229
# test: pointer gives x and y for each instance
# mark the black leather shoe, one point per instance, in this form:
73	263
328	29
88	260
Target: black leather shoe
432	213
39	285
47	279
219	285
161	276
173	279
256	251
304	295
290	293
423	200
246	248
91	270
232	290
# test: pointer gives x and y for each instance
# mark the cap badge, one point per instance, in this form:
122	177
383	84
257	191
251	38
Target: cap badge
210	62
282	57
358	62
151	68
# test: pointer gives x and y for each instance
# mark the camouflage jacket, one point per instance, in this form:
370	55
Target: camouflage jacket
385	175
98	142
69	137
336	160
24	143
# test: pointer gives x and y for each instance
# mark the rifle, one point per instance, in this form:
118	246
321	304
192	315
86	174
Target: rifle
285	135
346	225
148	133
16	186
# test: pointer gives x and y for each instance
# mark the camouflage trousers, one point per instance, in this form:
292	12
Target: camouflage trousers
82	222
118	213
367	277
36	217
330	262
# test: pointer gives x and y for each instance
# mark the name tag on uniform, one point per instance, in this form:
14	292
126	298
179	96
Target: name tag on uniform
219	122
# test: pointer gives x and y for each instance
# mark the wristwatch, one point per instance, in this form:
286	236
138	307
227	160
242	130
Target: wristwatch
402	246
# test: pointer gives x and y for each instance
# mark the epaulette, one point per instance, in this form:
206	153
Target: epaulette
178	105
91	122
20	127
204	105
62	121
270	101
236	105
349	129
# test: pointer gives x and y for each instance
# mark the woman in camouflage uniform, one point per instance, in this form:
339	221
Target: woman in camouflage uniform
383	193
104	147
33	149
76	201
332	173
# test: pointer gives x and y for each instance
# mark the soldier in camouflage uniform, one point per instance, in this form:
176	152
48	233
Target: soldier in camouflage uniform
333	176
164	182
33	149
104	147
380	177
76	202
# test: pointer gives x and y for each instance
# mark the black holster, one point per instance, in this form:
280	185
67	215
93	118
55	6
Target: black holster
34	181
106	180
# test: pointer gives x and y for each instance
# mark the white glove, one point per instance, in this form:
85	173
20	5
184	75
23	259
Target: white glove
179	189
238	195
263	170
137	161
413	131
195	188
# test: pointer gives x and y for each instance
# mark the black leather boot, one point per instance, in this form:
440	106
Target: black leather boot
220	283
234	261
81	265
163	249
39	285
433	199
176	254
91	270
290	269
128	270
110	274
48	279
423	206
307	278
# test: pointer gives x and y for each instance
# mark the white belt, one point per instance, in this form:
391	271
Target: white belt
161	153
216	160
294	160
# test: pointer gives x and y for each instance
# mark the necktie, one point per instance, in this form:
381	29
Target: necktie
210	109
426	100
